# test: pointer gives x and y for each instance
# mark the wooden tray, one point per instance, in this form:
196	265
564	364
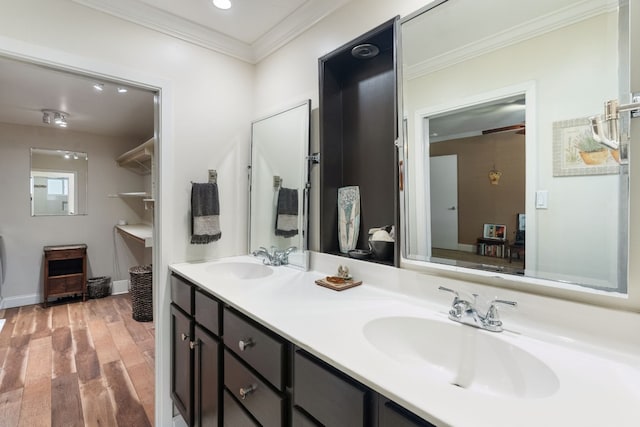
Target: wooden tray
338	286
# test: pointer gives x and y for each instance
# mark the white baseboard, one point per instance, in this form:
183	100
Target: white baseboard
20	300
117	287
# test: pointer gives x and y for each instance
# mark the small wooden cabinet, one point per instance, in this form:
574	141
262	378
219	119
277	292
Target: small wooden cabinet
65	271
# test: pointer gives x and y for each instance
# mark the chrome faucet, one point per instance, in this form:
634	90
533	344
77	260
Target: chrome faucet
275	256
465	311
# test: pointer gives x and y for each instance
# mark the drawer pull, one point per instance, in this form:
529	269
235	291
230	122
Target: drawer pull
194	344
245	344
184	336
245	391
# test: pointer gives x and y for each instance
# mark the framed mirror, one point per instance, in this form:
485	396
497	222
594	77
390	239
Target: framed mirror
58	182
278	183
502	175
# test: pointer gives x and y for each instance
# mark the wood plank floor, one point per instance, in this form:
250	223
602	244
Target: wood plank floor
76	364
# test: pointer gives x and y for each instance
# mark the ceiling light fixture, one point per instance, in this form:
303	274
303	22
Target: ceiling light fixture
99	87
122	90
222	4
59	118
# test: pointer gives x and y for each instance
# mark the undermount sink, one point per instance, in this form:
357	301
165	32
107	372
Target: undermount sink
463	356
240	270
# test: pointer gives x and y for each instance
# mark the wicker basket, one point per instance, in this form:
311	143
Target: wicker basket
99	287
141	293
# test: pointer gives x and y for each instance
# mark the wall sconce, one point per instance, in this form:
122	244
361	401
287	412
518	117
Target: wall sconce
605	128
59	117
494	176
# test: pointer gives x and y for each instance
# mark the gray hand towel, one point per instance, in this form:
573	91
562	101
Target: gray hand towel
205	213
287	212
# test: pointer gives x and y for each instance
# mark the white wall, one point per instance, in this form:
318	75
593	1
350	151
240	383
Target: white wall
205	114
25	235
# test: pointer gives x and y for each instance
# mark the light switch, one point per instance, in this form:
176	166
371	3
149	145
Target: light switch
542	199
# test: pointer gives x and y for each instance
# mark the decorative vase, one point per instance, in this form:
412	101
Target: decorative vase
348	217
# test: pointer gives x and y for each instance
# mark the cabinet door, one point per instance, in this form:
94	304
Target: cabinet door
393	415
206	405
182	363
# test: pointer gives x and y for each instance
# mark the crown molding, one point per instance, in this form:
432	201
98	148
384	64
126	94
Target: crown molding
295	24
156	19
519	33
142	14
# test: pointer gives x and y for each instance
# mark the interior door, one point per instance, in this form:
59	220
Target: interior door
444	201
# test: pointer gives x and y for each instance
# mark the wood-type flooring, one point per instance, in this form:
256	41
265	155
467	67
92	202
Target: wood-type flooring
76	364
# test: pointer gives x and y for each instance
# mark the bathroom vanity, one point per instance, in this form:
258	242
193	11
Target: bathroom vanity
230	369
289	352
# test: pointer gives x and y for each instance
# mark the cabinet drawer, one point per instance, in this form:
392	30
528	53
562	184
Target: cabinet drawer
207	311
393	415
63	284
327	395
298	419
260	400
65	254
235	415
182	294
263	351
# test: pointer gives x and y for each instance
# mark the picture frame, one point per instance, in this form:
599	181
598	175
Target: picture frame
576	153
495	231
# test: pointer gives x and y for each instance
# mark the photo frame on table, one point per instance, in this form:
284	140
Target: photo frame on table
495	231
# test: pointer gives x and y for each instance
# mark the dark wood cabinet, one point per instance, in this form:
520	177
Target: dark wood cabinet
65	271
207	375
393	415
196	364
327	395
182	363
255	369
358	131
229	370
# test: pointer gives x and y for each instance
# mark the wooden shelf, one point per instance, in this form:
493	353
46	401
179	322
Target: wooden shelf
141	233
138	159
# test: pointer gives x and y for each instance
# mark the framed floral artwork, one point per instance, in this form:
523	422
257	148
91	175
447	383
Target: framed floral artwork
575	152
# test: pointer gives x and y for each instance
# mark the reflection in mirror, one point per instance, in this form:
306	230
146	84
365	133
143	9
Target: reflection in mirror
498	150
58	182
279	174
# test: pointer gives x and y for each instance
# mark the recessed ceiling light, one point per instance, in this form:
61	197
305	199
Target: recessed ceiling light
99	87
122	90
222	4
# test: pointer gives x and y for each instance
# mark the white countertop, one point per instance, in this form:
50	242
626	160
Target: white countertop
598	386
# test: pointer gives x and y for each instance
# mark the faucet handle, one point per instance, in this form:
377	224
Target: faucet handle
492	319
455	312
442	288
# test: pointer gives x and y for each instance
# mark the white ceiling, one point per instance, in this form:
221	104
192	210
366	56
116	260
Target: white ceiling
27	89
250	30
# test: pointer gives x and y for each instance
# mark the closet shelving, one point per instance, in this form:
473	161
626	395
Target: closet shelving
140	161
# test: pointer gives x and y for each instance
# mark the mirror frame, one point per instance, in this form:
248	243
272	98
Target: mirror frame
299	258
540	286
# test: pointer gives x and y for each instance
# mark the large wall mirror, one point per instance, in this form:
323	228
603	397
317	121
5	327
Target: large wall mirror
279	177
58	182
502	173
